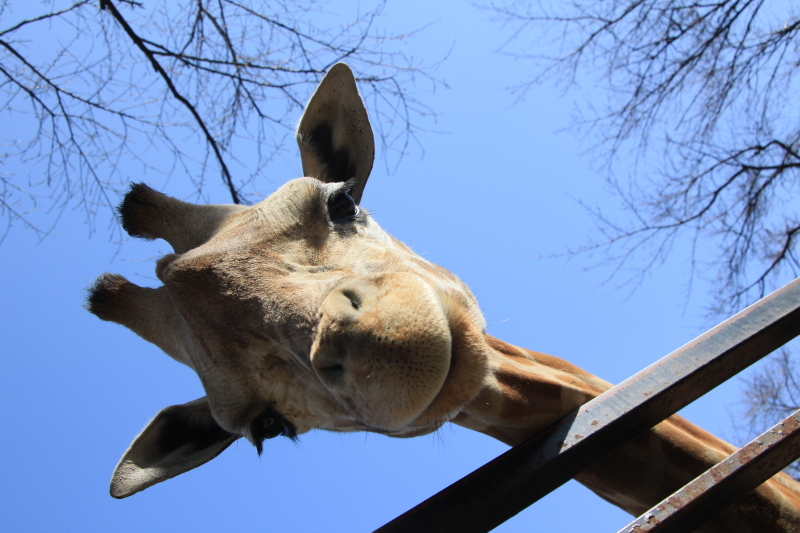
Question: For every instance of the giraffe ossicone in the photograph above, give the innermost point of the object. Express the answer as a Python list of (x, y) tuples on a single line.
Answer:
[(301, 313)]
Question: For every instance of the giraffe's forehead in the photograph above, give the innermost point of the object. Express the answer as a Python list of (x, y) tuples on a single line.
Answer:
[(296, 230), (288, 248)]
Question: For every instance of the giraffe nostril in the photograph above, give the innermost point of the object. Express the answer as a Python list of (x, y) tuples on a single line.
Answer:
[(353, 297), (332, 375), (330, 366), (333, 370)]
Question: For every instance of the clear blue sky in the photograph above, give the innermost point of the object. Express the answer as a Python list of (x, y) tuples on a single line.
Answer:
[(496, 189)]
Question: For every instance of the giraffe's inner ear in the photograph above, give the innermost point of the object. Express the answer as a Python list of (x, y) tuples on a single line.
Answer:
[(334, 135), (178, 439)]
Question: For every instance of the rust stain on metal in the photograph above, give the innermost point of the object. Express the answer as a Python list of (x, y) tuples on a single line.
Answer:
[(724, 483)]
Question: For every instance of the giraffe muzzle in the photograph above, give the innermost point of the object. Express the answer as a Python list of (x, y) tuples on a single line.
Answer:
[(383, 347)]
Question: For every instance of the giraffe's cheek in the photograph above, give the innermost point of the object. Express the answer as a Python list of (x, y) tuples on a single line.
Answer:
[(383, 353)]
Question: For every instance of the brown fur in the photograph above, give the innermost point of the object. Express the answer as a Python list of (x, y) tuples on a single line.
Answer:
[(301, 313)]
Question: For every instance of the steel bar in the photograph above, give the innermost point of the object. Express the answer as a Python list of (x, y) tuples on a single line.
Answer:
[(508, 484), (723, 484)]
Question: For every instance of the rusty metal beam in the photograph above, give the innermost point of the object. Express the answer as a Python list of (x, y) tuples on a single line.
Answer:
[(723, 484), (508, 484)]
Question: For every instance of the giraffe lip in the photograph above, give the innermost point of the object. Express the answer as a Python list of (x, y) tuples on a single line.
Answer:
[(413, 431), (410, 428), (467, 369), (430, 424)]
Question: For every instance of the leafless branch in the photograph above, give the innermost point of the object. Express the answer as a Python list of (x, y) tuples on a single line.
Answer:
[(699, 89), (771, 394), (113, 88)]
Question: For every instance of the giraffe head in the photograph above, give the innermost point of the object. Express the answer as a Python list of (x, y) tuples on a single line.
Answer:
[(297, 313)]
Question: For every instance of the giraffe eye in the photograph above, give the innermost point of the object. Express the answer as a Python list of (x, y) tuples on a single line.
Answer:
[(269, 425), (271, 428), (342, 208)]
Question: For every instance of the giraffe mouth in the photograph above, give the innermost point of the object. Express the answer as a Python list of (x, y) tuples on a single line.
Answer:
[(466, 372), (429, 419), (383, 348)]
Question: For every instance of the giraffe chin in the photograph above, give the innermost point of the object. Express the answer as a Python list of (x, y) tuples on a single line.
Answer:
[(383, 348), (407, 433)]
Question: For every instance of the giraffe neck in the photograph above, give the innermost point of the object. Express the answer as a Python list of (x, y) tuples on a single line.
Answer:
[(526, 392)]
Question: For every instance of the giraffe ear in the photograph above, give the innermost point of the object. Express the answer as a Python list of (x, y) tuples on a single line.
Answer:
[(178, 439), (334, 135)]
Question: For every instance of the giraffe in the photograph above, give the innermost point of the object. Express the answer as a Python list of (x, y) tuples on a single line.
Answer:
[(301, 313)]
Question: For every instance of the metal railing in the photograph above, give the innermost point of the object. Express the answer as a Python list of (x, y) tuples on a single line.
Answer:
[(516, 479)]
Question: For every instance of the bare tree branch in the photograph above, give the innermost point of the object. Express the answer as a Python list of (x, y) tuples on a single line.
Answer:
[(702, 93), (773, 390), (106, 91), (212, 142)]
